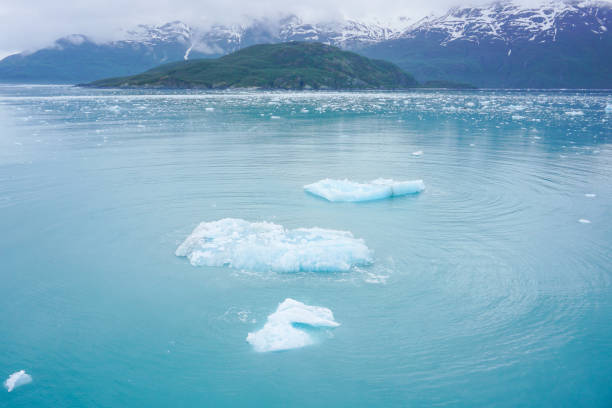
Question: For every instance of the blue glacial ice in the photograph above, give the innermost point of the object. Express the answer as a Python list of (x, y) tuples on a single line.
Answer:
[(17, 379), (280, 331), (346, 190), (265, 246)]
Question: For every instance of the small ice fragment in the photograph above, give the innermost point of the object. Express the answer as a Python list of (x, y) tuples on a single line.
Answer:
[(517, 117), (574, 113), (590, 195), (209, 109), (584, 221), (17, 379), (346, 190), (417, 153), (274, 117), (374, 278), (608, 108), (280, 331)]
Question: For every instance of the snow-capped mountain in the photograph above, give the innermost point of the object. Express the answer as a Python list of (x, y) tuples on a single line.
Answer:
[(175, 31), (472, 44), (511, 22), (555, 45), (502, 21), (351, 34)]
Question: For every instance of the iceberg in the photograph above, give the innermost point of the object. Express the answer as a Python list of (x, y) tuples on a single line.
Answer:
[(265, 246), (608, 108), (287, 328), (346, 190), (17, 379)]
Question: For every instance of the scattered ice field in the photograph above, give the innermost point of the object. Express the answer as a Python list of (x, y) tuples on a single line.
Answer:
[(498, 273)]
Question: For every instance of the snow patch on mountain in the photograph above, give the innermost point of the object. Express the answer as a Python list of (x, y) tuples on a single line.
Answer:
[(500, 21), (511, 21)]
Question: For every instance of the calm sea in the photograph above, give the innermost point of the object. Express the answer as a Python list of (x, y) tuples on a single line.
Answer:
[(493, 287)]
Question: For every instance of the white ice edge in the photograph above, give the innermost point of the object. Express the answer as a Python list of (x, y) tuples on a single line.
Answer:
[(347, 190)]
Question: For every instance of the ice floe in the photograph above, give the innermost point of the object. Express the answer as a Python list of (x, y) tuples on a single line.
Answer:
[(346, 190), (584, 221), (574, 113), (608, 108), (17, 379), (290, 326), (417, 153), (265, 246), (114, 109)]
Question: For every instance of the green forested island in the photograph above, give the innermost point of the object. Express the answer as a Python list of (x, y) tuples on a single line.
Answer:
[(294, 65)]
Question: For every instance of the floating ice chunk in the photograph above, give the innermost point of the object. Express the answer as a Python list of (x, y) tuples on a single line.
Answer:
[(17, 379), (574, 113), (280, 331), (584, 221), (590, 195), (608, 108), (346, 190), (274, 117), (265, 246), (417, 153), (517, 117), (209, 109), (375, 278)]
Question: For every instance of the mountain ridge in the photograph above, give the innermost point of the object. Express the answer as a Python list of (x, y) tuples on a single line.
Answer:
[(470, 43)]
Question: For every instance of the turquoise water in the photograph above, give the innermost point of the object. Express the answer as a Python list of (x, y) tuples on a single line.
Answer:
[(484, 290)]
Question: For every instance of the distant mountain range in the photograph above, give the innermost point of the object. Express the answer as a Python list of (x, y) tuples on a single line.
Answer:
[(556, 44), (505, 45)]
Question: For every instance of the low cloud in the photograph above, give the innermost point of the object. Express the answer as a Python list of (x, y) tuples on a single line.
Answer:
[(30, 25)]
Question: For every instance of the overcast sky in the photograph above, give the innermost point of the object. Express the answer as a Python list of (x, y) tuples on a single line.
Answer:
[(32, 24)]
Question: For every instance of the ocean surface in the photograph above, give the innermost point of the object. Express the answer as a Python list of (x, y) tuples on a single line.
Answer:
[(492, 287)]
